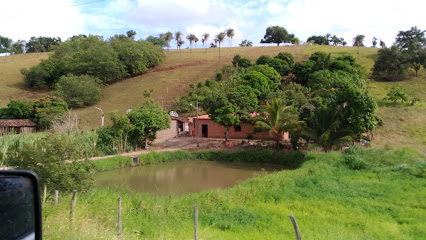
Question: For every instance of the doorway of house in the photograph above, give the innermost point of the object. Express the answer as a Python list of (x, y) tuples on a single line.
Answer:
[(204, 130)]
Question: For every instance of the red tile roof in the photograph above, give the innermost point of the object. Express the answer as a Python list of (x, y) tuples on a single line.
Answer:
[(16, 123)]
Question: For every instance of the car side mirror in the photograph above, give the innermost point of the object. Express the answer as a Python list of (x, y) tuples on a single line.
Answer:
[(20, 208)]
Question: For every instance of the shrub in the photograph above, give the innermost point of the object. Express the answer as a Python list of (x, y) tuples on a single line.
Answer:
[(78, 91), (280, 66), (263, 60), (389, 65), (286, 57)]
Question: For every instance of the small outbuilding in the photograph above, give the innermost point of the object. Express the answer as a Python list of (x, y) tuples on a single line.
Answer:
[(17, 126)]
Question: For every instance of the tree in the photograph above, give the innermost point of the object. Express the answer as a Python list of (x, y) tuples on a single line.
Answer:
[(278, 118), (18, 47), (389, 65), (178, 36), (358, 41), (5, 44), (412, 43), (295, 41), (230, 34), (246, 43), (374, 41), (147, 120), (42, 44), (167, 37), (191, 38), (382, 44), (131, 34), (204, 38), (78, 91), (326, 130), (195, 41), (220, 37), (286, 56), (276, 34), (158, 41), (335, 40), (320, 40)]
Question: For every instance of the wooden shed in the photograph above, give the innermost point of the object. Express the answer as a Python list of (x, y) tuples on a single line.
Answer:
[(16, 126)]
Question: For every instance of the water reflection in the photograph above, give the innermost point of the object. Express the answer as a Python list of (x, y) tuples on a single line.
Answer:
[(181, 177)]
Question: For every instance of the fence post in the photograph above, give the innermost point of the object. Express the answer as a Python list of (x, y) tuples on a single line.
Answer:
[(44, 194), (56, 197), (296, 228), (73, 200), (119, 225), (195, 222)]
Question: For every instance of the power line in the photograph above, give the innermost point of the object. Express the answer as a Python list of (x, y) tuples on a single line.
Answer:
[(85, 3)]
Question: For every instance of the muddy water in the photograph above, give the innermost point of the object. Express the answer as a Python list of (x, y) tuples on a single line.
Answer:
[(181, 177)]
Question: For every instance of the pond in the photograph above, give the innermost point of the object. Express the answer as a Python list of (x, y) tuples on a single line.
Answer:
[(182, 177)]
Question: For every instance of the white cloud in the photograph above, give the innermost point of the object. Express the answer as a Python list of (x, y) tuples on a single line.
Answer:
[(27, 18), (275, 8)]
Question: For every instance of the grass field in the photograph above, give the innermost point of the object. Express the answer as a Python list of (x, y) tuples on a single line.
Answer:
[(364, 194), (404, 125)]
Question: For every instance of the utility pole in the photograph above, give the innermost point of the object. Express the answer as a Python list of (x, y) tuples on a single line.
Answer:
[(102, 116)]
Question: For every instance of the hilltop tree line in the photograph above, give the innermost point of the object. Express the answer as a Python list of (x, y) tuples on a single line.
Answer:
[(323, 100), (408, 52)]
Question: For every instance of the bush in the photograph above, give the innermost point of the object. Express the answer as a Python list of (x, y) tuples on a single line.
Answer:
[(389, 65), (239, 61), (263, 60), (78, 91), (280, 66), (286, 57)]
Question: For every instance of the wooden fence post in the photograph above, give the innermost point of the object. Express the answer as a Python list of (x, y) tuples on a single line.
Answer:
[(44, 194), (56, 197), (195, 222), (296, 228), (73, 200), (119, 225)]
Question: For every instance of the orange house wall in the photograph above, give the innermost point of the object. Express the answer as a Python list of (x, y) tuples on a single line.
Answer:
[(215, 130)]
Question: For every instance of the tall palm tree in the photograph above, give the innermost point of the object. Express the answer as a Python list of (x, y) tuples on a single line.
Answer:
[(204, 38), (220, 37), (178, 36), (325, 130), (195, 41), (358, 42), (374, 41), (180, 43), (168, 36), (191, 38), (230, 34), (382, 44), (279, 119)]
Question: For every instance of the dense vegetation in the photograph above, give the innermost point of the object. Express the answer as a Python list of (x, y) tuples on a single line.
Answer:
[(309, 89), (363, 194)]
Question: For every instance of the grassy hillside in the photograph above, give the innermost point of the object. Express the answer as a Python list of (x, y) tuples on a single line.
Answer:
[(404, 125)]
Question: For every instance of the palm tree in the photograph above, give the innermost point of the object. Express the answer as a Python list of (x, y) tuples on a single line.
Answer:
[(230, 34), (168, 36), (180, 43), (325, 130), (358, 42), (195, 41), (204, 38), (191, 38), (178, 36), (382, 44), (279, 119), (374, 41), (220, 37)]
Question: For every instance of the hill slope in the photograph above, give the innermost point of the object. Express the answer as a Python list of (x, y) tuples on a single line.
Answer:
[(404, 125)]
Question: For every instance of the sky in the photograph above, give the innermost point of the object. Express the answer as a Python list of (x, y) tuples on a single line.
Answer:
[(22, 19)]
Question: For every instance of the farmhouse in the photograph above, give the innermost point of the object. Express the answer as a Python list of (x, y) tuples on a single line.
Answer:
[(178, 126), (208, 128), (17, 126)]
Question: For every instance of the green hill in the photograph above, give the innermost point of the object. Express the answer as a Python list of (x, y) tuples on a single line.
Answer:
[(405, 126)]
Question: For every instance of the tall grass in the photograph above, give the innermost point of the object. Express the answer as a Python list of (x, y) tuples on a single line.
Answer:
[(329, 198), (14, 143)]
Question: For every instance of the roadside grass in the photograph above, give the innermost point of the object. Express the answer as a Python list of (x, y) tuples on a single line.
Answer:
[(328, 197)]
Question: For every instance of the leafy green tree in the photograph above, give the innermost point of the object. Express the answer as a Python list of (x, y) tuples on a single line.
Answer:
[(302, 71), (230, 33), (276, 34), (246, 43), (295, 41), (412, 43), (258, 82), (320, 40), (122, 125), (16, 110), (241, 62), (78, 91), (278, 118), (263, 60), (374, 41), (18, 47), (272, 74), (5, 44), (131, 34), (42, 44), (389, 65), (335, 40), (280, 66), (286, 56), (382, 44), (358, 41), (245, 98), (158, 41), (147, 120), (326, 130), (321, 59)]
